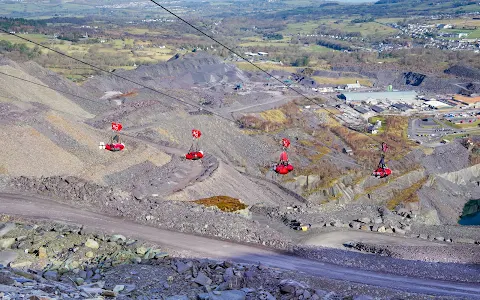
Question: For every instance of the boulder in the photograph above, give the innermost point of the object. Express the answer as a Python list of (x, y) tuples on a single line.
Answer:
[(363, 297), (398, 230), (177, 297), (464, 241), (264, 295), (42, 252), (6, 243), (7, 257), (202, 279), (141, 250), (365, 220), (288, 286), (228, 274), (365, 227), (118, 238), (50, 275), (378, 220), (382, 229), (6, 228), (355, 225), (92, 244), (181, 266), (224, 295)]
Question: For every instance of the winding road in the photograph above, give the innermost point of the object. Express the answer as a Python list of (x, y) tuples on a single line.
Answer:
[(35, 207)]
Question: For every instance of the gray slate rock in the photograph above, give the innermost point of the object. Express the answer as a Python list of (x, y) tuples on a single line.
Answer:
[(118, 237), (50, 275), (182, 267), (7, 257), (6, 228), (177, 297), (225, 295), (264, 295), (6, 243), (365, 220), (202, 279), (288, 286), (228, 274), (362, 297)]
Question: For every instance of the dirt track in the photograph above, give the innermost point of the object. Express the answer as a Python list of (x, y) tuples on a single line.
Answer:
[(35, 207)]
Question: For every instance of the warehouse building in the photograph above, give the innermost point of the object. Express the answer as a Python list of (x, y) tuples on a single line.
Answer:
[(437, 104), (396, 96), (472, 102)]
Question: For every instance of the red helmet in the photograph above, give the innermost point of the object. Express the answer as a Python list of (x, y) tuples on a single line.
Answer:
[(116, 126), (196, 133)]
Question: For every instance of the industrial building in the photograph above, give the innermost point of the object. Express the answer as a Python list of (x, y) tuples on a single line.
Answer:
[(377, 109), (396, 96), (472, 102), (437, 104), (402, 106)]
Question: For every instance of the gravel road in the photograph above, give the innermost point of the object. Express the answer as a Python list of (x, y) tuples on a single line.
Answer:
[(35, 207)]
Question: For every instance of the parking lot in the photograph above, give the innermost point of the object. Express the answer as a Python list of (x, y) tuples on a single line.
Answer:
[(430, 130)]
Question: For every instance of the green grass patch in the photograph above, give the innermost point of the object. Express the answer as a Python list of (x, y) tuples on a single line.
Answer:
[(472, 34), (341, 80), (295, 28), (39, 38), (468, 125), (318, 49), (373, 120), (268, 66), (365, 29), (279, 43), (224, 203)]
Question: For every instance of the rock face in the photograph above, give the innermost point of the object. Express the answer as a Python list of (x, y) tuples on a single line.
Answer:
[(118, 203)]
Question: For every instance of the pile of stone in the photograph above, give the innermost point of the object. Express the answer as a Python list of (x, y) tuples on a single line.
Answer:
[(57, 261)]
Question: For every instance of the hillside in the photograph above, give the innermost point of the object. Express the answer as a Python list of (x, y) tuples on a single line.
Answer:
[(51, 150)]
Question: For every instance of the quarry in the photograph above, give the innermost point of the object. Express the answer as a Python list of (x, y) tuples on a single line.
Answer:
[(329, 210)]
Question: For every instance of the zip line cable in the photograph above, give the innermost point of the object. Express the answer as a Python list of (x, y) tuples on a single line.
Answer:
[(103, 104), (119, 76), (248, 61), (149, 88), (57, 90), (234, 52)]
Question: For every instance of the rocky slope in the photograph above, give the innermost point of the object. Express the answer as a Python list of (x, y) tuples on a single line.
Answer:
[(44, 260)]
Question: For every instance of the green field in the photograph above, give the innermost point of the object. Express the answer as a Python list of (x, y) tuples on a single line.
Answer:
[(317, 49), (341, 80), (39, 38), (294, 28), (368, 28), (472, 34)]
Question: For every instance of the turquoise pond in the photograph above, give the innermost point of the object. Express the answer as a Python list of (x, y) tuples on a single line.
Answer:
[(471, 213)]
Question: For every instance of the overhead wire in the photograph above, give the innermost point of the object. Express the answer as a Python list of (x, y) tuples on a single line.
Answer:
[(237, 54), (245, 59), (113, 74), (144, 86), (57, 90)]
